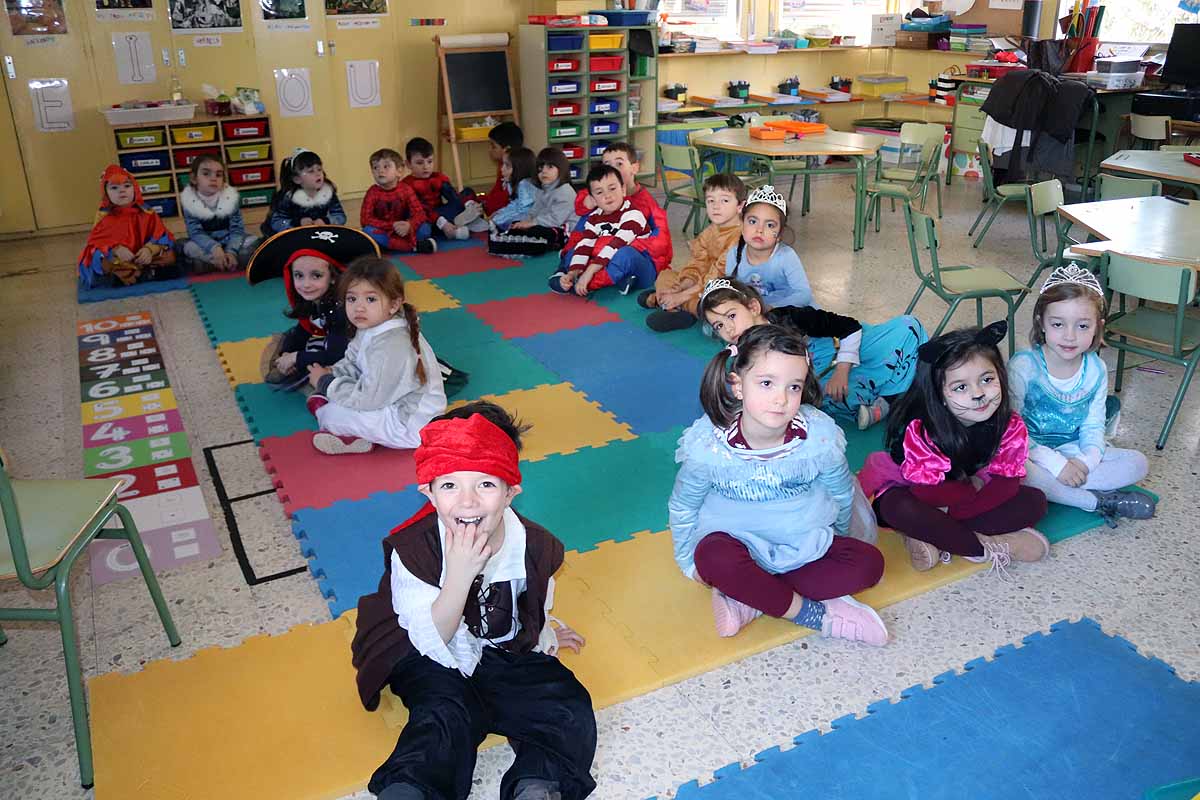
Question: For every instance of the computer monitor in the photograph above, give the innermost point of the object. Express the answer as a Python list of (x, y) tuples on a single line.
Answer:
[(1183, 56)]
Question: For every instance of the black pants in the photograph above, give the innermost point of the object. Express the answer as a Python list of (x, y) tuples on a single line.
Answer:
[(532, 699)]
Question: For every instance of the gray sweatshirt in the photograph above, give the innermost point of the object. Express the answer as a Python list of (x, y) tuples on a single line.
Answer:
[(555, 208)]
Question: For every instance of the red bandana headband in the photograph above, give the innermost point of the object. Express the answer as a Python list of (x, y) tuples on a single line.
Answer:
[(466, 445)]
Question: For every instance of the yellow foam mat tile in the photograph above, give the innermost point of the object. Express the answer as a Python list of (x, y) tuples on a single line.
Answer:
[(639, 589), (563, 420), (427, 297), (240, 360)]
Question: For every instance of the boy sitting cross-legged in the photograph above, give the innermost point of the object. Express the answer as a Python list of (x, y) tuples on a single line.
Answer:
[(459, 628)]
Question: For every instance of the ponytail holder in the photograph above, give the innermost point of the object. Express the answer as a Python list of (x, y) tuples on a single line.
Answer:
[(298, 151), (933, 350), (732, 350)]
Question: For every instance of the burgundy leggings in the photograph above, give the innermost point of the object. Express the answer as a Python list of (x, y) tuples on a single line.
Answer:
[(897, 508), (848, 566)]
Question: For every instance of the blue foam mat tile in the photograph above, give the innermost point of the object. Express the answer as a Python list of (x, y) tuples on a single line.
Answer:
[(234, 310), (101, 293), (342, 542), (1072, 714), (271, 413)]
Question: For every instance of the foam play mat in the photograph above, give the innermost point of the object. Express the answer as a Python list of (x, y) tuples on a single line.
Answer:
[(607, 400)]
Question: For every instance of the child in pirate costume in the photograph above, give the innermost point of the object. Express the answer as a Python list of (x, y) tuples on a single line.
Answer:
[(459, 628)]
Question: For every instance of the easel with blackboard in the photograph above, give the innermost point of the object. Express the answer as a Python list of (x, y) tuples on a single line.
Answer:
[(476, 82)]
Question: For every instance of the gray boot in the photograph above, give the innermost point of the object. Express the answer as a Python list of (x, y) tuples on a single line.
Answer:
[(1119, 503)]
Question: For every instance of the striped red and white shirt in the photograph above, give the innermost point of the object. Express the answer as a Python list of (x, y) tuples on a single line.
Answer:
[(603, 234)]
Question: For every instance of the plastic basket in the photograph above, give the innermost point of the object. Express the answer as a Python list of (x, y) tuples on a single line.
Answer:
[(194, 134), (149, 161), (142, 137), (606, 41), (557, 42)]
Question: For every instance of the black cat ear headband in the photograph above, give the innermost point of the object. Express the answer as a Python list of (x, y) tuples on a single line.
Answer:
[(933, 350)]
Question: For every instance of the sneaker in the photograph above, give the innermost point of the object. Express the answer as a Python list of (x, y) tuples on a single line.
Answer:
[(470, 213), (1121, 503), (555, 283), (266, 361), (427, 246), (479, 226), (731, 615), (333, 445), (461, 233), (1002, 549), (666, 321), (648, 299), (923, 555), (846, 618), (627, 283), (314, 403), (872, 414)]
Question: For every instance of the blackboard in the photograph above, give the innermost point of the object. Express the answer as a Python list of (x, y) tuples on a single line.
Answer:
[(478, 81)]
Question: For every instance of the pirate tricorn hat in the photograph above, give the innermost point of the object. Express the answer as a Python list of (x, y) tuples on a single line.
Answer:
[(339, 244)]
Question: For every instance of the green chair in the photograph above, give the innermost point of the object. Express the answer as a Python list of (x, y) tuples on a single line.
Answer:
[(916, 189), (1113, 187), (690, 192), (1041, 204), (924, 134), (994, 196), (47, 525), (1174, 336), (956, 284)]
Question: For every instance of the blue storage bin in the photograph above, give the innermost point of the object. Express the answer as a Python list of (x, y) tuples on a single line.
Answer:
[(575, 172), (626, 17), (557, 42), (604, 105), (597, 149), (149, 161), (165, 206), (564, 86), (605, 127)]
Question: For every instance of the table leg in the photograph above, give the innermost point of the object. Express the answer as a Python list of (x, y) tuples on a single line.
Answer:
[(860, 188)]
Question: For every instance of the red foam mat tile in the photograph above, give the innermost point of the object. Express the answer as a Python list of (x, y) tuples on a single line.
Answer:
[(306, 478), (541, 313), (460, 261)]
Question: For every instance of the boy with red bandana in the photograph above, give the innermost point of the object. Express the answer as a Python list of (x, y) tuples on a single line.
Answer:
[(459, 628)]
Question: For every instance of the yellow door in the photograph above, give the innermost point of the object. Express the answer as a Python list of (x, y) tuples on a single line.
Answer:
[(63, 154), (16, 207), (132, 57), (306, 116)]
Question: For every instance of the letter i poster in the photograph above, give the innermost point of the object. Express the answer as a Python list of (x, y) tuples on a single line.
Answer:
[(132, 431)]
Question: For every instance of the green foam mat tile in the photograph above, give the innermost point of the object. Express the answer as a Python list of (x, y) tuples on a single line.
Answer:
[(271, 413), (500, 284), (233, 310), (497, 368), (454, 329)]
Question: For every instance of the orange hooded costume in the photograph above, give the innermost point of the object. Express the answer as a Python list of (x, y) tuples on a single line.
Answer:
[(133, 227)]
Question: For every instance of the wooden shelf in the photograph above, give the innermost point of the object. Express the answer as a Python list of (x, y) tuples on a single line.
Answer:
[(838, 49)]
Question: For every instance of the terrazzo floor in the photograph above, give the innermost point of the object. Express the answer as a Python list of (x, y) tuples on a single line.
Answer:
[(1137, 581)]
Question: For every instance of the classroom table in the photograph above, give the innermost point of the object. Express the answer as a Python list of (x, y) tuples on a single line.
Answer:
[(855, 146), (1167, 166), (1151, 228)]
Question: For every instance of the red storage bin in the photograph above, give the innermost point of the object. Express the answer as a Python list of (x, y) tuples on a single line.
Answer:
[(606, 63), (564, 109), (605, 85), (572, 151), (244, 128), (185, 157), (244, 176), (563, 64)]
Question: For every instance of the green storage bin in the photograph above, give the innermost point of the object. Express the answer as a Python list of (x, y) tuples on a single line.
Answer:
[(240, 153), (141, 137), (155, 184), (252, 198), (565, 131), (183, 178)]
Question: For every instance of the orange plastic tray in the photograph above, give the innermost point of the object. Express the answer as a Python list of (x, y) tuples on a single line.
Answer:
[(768, 133), (798, 127)]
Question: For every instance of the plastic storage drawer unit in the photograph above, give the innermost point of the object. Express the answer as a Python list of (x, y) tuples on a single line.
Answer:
[(564, 86), (573, 152), (165, 206), (236, 153), (605, 127), (563, 64), (557, 42), (564, 109), (242, 176), (150, 161), (155, 184), (244, 128), (185, 157), (250, 198), (606, 63), (143, 137), (194, 134), (605, 85), (604, 105)]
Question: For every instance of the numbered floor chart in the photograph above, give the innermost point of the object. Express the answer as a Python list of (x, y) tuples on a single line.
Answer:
[(132, 431)]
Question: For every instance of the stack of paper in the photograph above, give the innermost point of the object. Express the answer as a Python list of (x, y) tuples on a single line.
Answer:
[(826, 95), (666, 104), (777, 99), (718, 101), (756, 48)]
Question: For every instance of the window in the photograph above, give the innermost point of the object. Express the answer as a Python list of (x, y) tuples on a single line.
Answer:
[(1138, 21), (721, 18), (842, 17)]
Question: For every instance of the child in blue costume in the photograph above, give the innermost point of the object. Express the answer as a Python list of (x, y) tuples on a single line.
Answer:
[(858, 366), (306, 196), (764, 497), (761, 260), (1060, 387)]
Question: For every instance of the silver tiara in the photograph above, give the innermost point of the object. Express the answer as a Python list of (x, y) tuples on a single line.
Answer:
[(713, 285), (1072, 273), (767, 194)]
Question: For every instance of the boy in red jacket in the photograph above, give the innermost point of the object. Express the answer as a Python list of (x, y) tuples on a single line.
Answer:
[(443, 205), (647, 256), (391, 212)]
